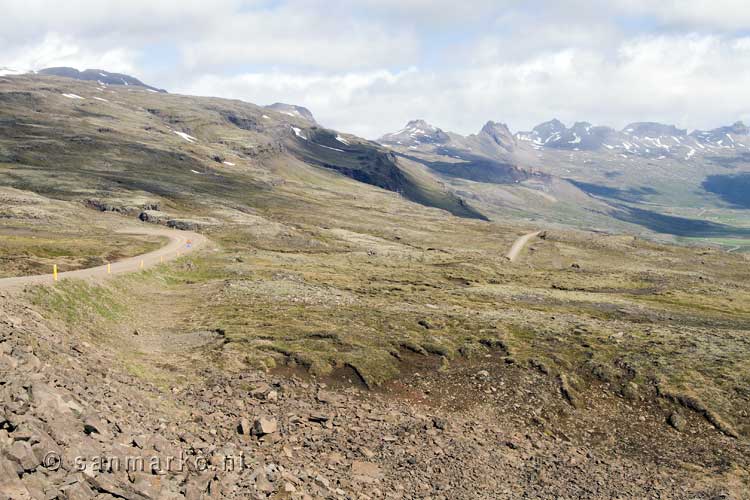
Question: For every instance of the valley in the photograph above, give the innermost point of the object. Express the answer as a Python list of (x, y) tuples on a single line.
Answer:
[(425, 316)]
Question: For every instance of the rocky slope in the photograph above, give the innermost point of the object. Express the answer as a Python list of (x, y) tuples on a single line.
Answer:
[(74, 424)]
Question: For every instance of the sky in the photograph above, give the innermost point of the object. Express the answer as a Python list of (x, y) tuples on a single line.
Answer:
[(369, 66)]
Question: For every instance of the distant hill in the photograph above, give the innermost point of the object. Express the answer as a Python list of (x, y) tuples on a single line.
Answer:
[(98, 75), (293, 110)]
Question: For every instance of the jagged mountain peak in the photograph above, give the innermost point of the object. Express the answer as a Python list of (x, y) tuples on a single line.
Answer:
[(415, 133), (500, 134), (420, 125), (550, 127)]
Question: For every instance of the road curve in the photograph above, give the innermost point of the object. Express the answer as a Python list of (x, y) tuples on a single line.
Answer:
[(519, 244), (177, 246)]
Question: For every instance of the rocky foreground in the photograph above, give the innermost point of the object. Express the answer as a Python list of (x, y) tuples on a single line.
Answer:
[(74, 425)]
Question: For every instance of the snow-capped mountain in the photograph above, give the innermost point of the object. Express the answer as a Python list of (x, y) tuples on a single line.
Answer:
[(644, 139), (293, 110), (640, 139), (554, 134), (416, 133), (97, 75)]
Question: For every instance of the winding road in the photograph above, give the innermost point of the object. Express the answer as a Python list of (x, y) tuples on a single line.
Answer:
[(519, 244), (180, 243)]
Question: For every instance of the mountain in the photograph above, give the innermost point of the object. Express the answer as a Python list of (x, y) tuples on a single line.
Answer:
[(723, 136), (581, 136), (414, 134), (97, 75), (293, 110), (642, 139), (499, 134), (603, 177), (209, 134)]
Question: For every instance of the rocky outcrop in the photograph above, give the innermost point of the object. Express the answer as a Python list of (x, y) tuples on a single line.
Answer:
[(500, 134)]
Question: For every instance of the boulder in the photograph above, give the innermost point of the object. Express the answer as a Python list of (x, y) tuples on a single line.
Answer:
[(677, 421), (264, 425), (11, 485)]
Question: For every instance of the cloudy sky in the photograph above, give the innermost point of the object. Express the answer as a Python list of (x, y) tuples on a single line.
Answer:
[(368, 66)]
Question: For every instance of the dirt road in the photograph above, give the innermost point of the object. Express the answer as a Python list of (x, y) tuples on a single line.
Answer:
[(181, 243), (518, 245)]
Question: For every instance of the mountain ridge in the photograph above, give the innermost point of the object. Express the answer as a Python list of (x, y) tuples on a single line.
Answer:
[(97, 75)]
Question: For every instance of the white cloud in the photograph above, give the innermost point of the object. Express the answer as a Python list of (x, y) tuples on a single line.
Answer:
[(521, 62), (713, 14), (56, 50), (302, 37)]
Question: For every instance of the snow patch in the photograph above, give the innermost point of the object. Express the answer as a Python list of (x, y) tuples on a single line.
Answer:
[(229, 163), (100, 99), (72, 96), (334, 149), (185, 136), (298, 133), (342, 140)]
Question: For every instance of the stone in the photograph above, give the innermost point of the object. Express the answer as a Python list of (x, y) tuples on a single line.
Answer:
[(321, 481), (23, 456), (319, 418), (328, 397), (677, 421), (78, 491), (366, 472), (260, 391), (244, 427), (265, 425), (11, 485), (440, 423), (262, 483)]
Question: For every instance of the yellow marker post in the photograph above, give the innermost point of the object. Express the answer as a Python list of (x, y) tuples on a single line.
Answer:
[(141, 263), (109, 268), (161, 260), (54, 272)]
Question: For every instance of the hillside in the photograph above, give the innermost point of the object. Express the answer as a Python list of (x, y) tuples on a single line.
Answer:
[(352, 327)]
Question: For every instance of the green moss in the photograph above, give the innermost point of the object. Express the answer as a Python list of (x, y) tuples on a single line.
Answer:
[(78, 302)]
